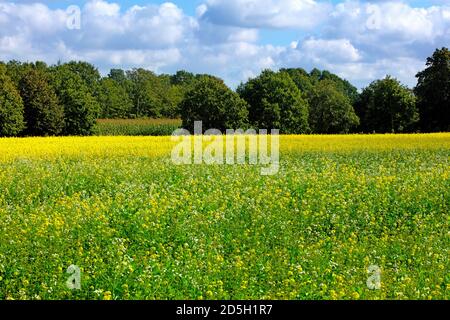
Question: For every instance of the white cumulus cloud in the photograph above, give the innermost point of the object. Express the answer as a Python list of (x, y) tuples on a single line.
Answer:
[(360, 40)]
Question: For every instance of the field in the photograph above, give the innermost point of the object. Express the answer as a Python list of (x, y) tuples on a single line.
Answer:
[(137, 127), (140, 227)]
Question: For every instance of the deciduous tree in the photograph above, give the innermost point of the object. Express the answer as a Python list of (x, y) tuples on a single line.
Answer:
[(11, 106), (387, 106), (275, 102), (433, 92), (44, 115), (330, 110), (216, 105)]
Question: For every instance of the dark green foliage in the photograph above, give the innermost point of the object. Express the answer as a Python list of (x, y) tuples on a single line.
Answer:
[(216, 105), (155, 96), (11, 106), (330, 110), (170, 96), (305, 82), (291, 100), (302, 80), (87, 72), (44, 115), (433, 92), (342, 85), (275, 102), (182, 78), (81, 109), (114, 100), (152, 95), (331, 100), (315, 75), (16, 70), (144, 93), (386, 106), (181, 83), (118, 75)]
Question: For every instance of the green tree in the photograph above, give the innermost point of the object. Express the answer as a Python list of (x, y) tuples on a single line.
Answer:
[(144, 93), (44, 115), (119, 76), (386, 106), (342, 85), (11, 106), (181, 83), (16, 70), (302, 80), (330, 111), (315, 76), (114, 100), (275, 102), (175, 95), (87, 72), (433, 92), (213, 103), (81, 109), (168, 95), (182, 77)]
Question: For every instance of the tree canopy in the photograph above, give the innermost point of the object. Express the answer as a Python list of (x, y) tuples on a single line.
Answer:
[(433, 92), (387, 106), (44, 115), (11, 106), (330, 110), (275, 102), (114, 100), (81, 109), (216, 105), (67, 98)]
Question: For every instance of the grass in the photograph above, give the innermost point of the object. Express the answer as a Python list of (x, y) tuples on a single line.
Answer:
[(137, 127), (140, 227)]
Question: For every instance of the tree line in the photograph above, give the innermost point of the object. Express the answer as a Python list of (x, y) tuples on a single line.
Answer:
[(67, 99)]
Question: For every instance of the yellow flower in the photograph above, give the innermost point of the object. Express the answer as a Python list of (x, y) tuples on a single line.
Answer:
[(333, 295), (107, 295)]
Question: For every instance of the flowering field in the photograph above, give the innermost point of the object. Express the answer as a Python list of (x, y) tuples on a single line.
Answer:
[(139, 227)]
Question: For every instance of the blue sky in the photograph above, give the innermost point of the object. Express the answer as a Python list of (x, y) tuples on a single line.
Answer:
[(234, 39)]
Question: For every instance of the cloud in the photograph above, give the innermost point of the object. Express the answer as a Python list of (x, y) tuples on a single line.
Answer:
[(392, 37), (337, 50), (387, 22), (148, 36), (265, 13), (147, 27), (360, 40)]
